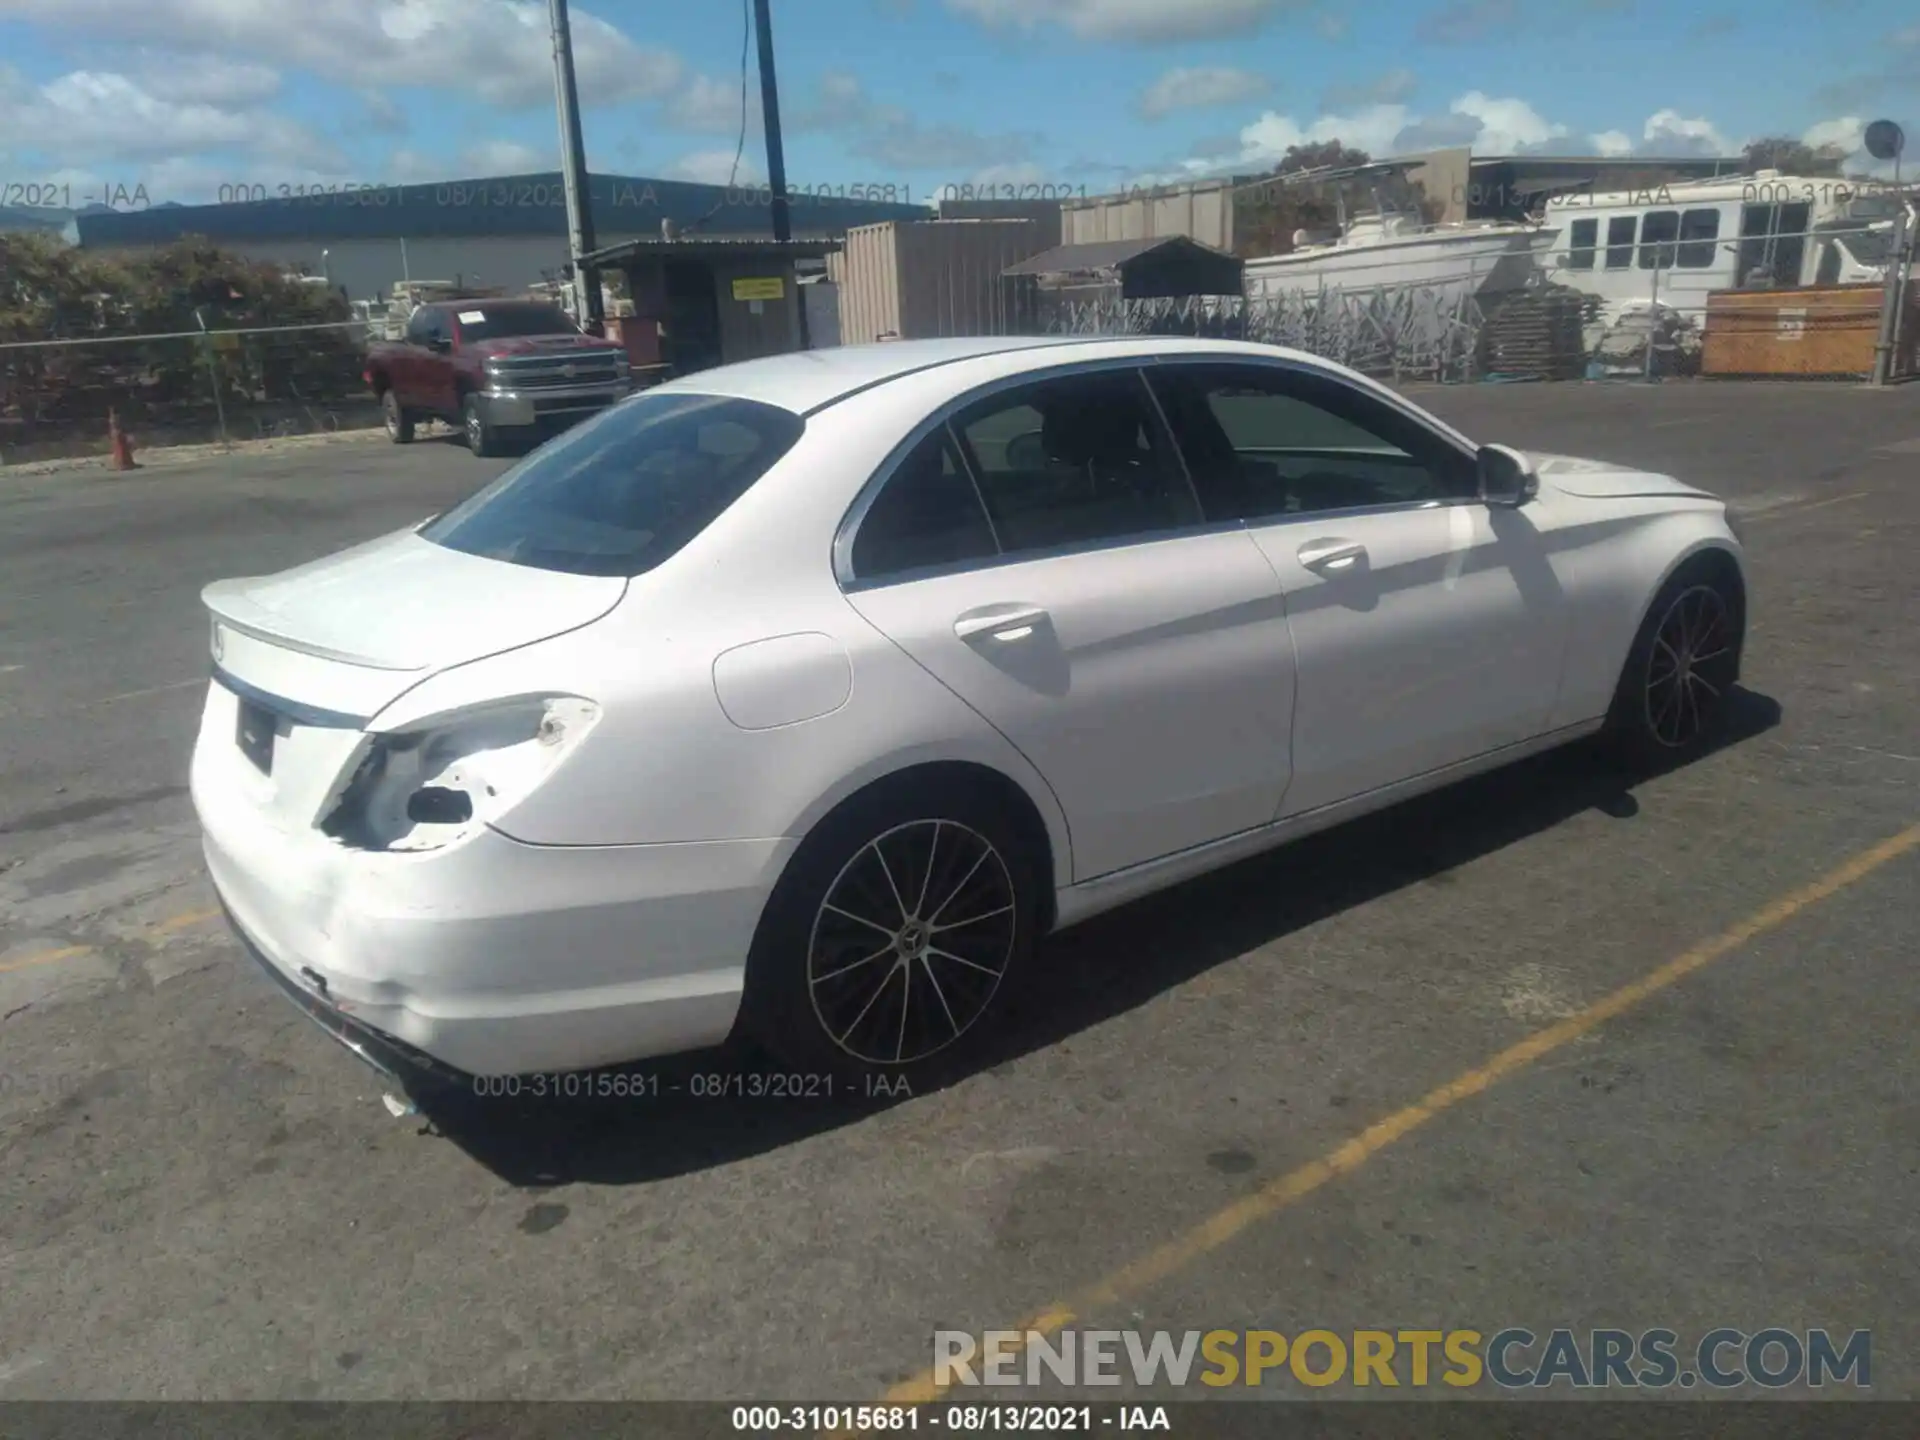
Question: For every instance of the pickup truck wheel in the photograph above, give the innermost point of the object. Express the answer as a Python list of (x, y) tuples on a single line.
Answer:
[(399, 423), (482, 439)]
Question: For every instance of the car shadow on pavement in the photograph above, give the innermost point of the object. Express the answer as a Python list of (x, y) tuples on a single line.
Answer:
[(659, 1119)]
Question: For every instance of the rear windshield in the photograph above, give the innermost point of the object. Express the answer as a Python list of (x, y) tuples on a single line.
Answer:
[(623, 492), (490, 322)]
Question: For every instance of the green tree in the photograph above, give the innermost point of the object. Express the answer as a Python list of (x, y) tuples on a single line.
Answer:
[(1268, 214), (1793, 157)]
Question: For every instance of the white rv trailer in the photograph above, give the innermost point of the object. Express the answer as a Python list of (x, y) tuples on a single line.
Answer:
[(1686, 240)]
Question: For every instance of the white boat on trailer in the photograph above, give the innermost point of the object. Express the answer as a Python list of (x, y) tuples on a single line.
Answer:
[(1386, 244)]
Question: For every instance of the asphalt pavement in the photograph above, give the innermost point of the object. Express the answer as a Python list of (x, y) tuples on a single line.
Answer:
[(1286, 1096)]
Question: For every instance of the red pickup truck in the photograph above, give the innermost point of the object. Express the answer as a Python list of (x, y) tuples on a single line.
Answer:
[(502, 370)]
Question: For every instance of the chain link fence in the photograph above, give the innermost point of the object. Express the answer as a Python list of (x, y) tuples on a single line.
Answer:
[(58, 397)]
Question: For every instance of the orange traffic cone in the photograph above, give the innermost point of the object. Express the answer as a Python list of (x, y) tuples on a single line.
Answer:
[(122, 443)]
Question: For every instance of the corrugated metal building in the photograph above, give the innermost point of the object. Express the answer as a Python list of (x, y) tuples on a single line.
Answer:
[(933, 278), (1201, 211), (506, 231)]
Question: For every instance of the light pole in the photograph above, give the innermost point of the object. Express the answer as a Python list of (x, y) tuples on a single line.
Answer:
[(776, 157), (573, 169)]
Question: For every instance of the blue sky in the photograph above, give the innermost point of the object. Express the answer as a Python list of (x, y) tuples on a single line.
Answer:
[(184, 97)]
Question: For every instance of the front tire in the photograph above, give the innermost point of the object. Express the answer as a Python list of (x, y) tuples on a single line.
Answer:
[(482, 439), (399, 423), (888, 946), (1672, 696)]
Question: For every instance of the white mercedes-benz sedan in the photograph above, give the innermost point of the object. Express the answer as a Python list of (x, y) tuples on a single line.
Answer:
[(799, 698)]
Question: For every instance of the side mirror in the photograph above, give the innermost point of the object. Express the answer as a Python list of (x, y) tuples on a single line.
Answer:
[(1506, 476), (440, 345)]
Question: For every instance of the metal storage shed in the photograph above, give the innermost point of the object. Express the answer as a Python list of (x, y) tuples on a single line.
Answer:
[(1148, 269)]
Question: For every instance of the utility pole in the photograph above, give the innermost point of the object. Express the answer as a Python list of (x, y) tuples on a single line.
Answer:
[(776, 158), (573, 168)]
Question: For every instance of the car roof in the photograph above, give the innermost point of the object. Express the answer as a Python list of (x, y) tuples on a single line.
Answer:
[(808, 380)]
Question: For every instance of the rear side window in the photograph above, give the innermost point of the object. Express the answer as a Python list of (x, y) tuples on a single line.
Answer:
[(928, 515), (623, 492)]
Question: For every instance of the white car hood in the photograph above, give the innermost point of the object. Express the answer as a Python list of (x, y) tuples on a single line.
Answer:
[(352, 631), (1605, 480)]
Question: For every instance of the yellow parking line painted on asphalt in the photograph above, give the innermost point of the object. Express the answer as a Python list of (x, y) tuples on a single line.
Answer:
[(1278, 1194), (183, 921), (46, 957)]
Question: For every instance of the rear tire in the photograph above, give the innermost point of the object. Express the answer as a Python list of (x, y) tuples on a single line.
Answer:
[(399, 422), (1670, 704), (888, 947)]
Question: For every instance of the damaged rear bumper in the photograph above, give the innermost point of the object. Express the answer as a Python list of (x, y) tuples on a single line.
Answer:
[(393, 1059)]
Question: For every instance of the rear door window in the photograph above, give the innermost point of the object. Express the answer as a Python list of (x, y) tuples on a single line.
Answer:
[(621, 493), (1075, 461)]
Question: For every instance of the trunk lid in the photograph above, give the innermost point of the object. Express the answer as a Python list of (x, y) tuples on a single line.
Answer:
[(306, 658), (347, 635)]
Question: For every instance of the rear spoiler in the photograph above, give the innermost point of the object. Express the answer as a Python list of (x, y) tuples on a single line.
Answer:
[(229, 603)]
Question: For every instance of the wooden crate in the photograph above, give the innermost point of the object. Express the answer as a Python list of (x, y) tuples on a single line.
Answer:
[(1812, 331)]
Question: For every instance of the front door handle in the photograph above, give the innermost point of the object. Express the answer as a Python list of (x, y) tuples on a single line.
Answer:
[(1331, 555), (1007, 623)]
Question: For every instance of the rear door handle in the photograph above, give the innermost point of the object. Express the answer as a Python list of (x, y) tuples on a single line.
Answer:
[(1006, 623), (1334, 555)]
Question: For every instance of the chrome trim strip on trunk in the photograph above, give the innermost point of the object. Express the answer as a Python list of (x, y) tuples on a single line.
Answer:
[(293, 710)]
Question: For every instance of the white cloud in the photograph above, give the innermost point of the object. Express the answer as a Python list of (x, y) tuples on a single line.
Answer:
[(1331, 27), (1507, 126), (496, 50), (1491, 125), (1016, 175), (712, 107), (1668, 132), (1849, 133), (1371, 128), (1199, 87), (1137, 21), (1392, 88), (205, 80), (97, 116), (714, 167), (506, 157), (888, 136)]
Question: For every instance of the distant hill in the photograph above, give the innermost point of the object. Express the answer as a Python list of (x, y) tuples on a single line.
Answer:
[(46, 217), (33, 218)]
